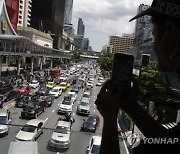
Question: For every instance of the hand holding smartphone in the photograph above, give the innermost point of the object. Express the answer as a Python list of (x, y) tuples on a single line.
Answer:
[(122, 72)]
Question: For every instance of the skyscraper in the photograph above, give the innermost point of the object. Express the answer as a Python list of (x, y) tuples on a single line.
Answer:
[(48, 15), (68, 12), (24, 13), (81, 27)]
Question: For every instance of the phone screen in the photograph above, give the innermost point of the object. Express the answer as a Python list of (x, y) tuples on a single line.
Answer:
[(122, 72)]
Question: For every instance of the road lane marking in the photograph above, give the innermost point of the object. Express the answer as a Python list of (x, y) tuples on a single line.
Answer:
[(9, 105), (53, 110), (94, 110), (125, 144), (46, 119)]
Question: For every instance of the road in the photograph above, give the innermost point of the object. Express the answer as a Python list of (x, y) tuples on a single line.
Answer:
[(79, 140)]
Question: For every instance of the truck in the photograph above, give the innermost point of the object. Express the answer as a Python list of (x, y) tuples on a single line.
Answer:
[(23, 147)]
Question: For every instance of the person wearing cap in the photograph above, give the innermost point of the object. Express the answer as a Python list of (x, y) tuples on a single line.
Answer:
[(166, 31)]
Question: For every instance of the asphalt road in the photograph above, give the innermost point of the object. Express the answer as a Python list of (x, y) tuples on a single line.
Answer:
[(79, 140)]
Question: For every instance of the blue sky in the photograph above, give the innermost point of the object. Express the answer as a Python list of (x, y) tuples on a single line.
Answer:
[(103, 18)]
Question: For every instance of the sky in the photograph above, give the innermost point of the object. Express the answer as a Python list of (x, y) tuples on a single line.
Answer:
[(103, 18)]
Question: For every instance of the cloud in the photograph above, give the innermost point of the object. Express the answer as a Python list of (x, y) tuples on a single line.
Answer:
[(106, 17)]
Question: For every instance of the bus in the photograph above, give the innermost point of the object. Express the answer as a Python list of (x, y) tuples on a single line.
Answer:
[(54, 72)]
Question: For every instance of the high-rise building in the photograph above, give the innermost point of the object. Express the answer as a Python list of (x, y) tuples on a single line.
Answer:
[(143, 25), (81, 27), (120, 44), (85, 44), (24, 13), (13, 11), (68, 12), (48, 16)]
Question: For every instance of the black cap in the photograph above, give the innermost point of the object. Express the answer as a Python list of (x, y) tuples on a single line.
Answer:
[(170, 8)]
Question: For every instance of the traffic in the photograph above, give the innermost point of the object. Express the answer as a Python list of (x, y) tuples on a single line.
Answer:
[(55, 111)]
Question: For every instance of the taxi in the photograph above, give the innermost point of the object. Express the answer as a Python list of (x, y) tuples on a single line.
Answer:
[(50, 84), (64, 85)]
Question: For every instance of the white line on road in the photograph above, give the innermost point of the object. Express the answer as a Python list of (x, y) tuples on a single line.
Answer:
[(53, 110), (46, 119), (94, 110)]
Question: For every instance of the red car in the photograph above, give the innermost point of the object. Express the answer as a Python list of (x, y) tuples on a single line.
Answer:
[(23, 89)]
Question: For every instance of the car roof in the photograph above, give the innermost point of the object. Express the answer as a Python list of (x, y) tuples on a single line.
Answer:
[(87, 92), (97, 140), (85, 99), (35, 122), (56, 87), (63, 123), (3, 112)]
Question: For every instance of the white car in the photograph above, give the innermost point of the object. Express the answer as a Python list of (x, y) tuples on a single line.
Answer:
[(34, 84), (90, 84), (66, 105), (98, 83), (94, 145), (73, 96), (61, 135), (30, 132), (87, 94), (55, 91)]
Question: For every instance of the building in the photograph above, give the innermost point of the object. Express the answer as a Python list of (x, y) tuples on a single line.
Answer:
[(85, 44), (120, 44), (24, 13), (78, 41), (13, 11), (48, 16), (81, 27), (68, 12)]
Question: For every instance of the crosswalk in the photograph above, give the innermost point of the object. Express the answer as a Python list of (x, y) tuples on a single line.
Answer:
[(169, 125)]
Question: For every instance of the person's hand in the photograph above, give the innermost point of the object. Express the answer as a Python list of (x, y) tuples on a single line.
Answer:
[(109, 105)]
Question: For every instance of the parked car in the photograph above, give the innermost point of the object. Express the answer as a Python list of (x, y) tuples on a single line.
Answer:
[(33, 109), (4, 119), (56, 91), (34, 84), (22, 102), (66, 105), (61, 135), (23, 89), (31, 130), (83, 107), (91, 123), (94, 145)]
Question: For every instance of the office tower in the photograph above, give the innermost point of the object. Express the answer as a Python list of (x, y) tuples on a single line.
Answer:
[(68, 12), (120, 44), (85, 44), (81, 27), (48, 16)]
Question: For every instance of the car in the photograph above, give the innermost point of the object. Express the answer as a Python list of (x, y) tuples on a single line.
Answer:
[(50, 84), (91, 123), (64, 85), (48, 100), (31, 130), (43, 90), (99, 83), (73, 96), (56, 91), (33, 109), (23, 89), (89, 84), (66, 105), (87, 94), (41, 79), (61, 135), (4, 119), (94, 145), (34, 84), (83, 107), (22, 102)]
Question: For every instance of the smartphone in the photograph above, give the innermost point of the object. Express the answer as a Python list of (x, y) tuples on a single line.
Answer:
[(122, 72)]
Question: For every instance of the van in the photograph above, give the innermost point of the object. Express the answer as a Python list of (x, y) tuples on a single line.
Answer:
[(23, 147), (4, 119)]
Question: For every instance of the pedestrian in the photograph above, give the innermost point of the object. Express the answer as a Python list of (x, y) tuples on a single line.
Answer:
[(166, 31)]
